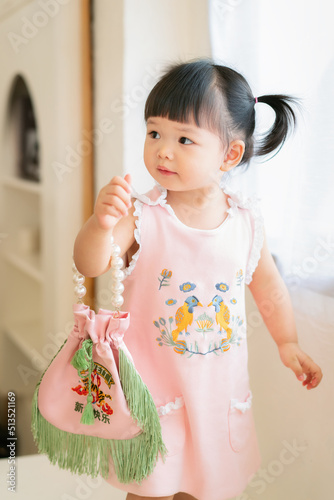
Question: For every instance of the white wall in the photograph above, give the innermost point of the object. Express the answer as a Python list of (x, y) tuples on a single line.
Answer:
[(156, 35), (133, 43), (287, 416)]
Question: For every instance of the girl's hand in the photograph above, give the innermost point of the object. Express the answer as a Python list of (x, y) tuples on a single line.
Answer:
[(113, 202), (301, 364)]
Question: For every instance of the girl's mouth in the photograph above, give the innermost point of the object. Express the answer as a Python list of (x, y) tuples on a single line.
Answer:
[(165, 171)]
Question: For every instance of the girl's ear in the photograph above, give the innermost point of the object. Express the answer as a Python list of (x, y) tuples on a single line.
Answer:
[(233, 156)]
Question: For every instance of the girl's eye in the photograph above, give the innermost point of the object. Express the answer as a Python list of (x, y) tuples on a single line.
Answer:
[(154, 134), (185, 140)]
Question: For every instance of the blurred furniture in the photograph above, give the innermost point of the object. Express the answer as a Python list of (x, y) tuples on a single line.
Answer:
[(45, 183)]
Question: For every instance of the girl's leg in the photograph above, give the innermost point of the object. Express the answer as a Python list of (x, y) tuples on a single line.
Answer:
[(131, 496)]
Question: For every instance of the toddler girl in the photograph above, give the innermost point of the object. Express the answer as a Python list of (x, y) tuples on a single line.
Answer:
[(190, 247)]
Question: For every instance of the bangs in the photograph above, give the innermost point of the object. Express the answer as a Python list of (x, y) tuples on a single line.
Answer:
[(187, 92)]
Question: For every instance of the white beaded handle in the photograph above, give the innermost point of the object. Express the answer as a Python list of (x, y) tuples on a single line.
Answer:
[(117, 274), (78, 280)]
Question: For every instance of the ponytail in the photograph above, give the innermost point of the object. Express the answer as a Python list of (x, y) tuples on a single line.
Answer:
[(220, 99), (285, 121)]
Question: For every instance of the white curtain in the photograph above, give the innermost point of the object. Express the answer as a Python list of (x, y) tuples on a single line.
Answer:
[(288, 47)]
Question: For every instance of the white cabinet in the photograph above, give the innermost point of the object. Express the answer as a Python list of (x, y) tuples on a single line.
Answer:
[(23, 301), (44, 60)]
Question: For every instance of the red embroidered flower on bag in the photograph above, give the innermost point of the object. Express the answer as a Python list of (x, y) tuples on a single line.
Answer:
[(107, 409)]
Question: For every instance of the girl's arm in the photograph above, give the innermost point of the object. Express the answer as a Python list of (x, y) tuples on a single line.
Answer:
[(273, 301), (113, 216)]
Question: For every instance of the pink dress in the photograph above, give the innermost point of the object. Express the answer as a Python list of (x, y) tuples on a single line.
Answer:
[(185, 290)]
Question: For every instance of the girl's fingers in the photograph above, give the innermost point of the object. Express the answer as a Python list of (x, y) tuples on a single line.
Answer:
[(120, 189), (111, 200), (119, 200), (314, 379), (305, 369), (124, 183), (114, 209), (313, 374), (128, 179), (114, 201)]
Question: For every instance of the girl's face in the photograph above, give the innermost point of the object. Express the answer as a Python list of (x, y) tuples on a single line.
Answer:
[(182, 156)]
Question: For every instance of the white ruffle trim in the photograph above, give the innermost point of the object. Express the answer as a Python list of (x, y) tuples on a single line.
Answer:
[(256, 248), (240, 405), (161, 198), (176, 405), (138, 215), (140, 200), (237, 199)]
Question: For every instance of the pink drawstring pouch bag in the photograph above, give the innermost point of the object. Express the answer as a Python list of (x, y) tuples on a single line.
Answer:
[(92, 413)]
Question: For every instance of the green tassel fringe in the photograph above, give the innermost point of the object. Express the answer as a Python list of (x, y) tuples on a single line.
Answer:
[(88, 412), (133, 459), (83, 361), (142, 407)]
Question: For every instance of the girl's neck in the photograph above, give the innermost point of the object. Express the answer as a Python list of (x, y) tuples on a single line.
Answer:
[(201, 208)]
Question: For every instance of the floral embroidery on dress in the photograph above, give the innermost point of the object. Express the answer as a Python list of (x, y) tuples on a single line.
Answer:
[(170, 302), (238, 330), (222, 287), (162, 322), (165, 277), (218, 332), (204, 323), (240, 277), (187, 287), (192, 347)]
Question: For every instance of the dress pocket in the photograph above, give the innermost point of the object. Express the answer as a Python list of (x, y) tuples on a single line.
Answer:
[(172, 421), (240, 422)]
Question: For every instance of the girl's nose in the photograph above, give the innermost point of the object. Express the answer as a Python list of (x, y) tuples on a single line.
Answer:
[(165, 151)]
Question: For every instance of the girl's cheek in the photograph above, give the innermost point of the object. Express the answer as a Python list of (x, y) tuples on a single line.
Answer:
[(146, 154)]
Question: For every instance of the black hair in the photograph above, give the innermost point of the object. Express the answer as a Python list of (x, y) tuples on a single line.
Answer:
[(220, 99)]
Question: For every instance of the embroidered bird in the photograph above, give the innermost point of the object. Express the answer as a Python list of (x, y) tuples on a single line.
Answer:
[(184, 316), (222, 314)]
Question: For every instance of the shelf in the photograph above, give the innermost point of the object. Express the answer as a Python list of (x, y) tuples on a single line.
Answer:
[(27, 337), (22, 185), (29, 264)]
